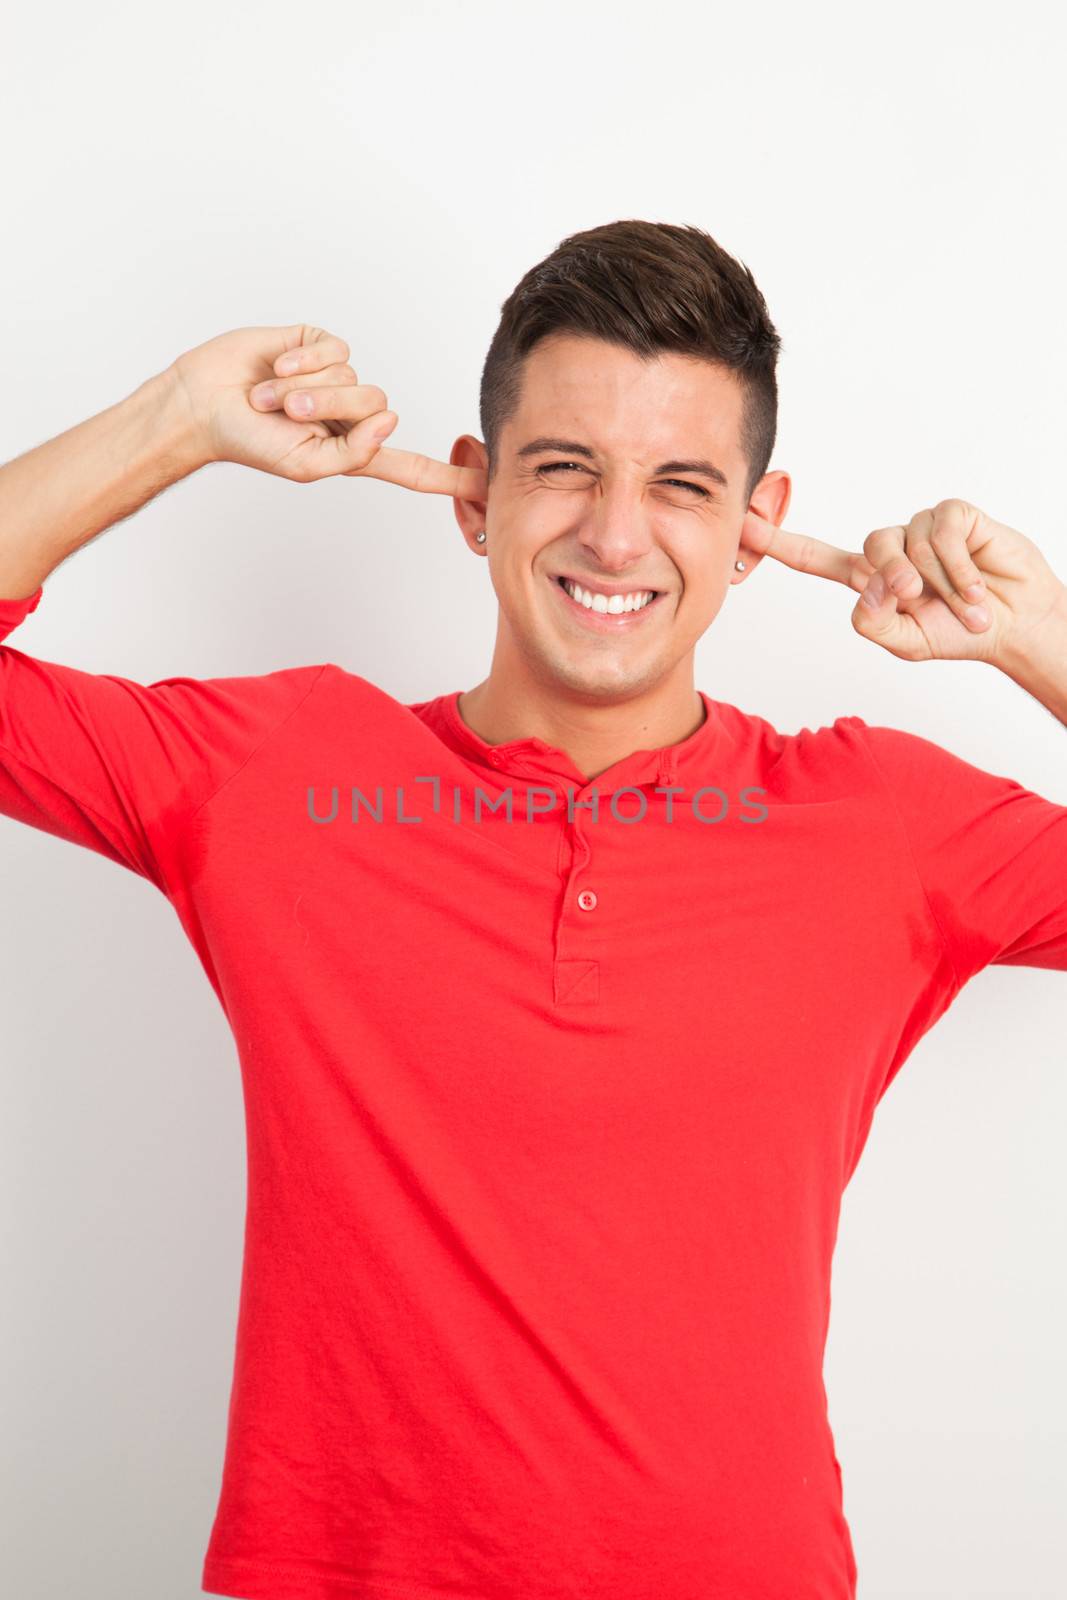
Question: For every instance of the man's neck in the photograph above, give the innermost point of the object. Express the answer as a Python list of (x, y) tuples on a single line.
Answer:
[(595, 734)]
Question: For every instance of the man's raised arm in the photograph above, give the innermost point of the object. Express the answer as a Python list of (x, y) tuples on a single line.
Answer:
[(234, 398), (58, 496), (120, 766)]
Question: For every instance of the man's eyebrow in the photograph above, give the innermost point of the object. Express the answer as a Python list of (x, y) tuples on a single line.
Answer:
[(703, 469)]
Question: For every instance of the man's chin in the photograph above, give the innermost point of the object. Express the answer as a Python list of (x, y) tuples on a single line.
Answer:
[(594, 678)]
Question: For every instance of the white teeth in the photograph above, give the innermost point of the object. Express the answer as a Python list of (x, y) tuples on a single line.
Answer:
[(610, 603)]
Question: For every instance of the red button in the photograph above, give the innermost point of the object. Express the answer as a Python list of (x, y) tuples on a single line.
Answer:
[(587, 900)]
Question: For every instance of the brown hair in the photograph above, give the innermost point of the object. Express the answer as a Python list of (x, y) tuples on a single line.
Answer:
[(651, 287)]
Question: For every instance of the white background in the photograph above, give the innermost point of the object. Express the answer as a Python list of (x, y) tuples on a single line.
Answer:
[(894, 178)]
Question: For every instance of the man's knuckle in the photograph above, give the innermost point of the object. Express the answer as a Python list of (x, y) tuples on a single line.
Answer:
[(806, 554)]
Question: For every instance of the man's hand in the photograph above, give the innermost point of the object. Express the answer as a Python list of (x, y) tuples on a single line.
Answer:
[(286, 401), (951, 585)]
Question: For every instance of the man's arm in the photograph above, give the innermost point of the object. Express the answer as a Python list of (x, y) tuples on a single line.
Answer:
[(120, 766), (231, 399), (55, 498)]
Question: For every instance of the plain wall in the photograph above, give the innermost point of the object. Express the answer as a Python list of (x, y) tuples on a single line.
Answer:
[(891, 177)]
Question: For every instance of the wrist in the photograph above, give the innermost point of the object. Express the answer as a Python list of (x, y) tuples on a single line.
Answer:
[(181, 436), (1042, 642), (1037, 661)]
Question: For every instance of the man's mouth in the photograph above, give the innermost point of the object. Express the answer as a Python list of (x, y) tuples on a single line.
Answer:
[(609, 599)]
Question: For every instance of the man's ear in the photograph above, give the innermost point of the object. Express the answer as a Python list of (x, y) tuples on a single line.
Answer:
[(769, 500), (470, 514)]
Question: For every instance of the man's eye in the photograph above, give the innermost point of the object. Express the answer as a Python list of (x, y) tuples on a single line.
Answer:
[(682, 484), (563, 466)]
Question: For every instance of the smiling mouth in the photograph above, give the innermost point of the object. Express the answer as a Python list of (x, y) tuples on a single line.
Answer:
[(604, 603)]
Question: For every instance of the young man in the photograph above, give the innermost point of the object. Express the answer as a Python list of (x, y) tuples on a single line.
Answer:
[(563, 1005)]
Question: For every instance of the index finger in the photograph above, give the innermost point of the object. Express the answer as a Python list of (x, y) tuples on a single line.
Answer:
[(412, 471), (802, 552)]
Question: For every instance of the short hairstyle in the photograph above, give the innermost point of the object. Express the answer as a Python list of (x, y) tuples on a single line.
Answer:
[(650, 287)]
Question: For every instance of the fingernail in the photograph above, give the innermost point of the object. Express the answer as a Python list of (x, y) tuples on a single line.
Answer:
[(874, 593), (978, 615), (974, 591), (302, 403), (286, 365), (383, 432), (265, 396)]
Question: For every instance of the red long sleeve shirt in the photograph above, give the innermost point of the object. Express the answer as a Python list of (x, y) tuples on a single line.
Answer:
[(548, 1115)]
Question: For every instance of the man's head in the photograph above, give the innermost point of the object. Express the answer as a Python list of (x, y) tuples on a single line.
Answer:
[(629, 408)]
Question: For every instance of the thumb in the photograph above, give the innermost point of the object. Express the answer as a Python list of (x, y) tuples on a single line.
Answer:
[(884, 624), (351, 451)]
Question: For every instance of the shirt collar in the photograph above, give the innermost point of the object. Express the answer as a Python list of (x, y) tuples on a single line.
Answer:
[(533, 759)]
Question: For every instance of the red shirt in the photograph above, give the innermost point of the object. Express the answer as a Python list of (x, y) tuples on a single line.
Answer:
[(548, 1120)]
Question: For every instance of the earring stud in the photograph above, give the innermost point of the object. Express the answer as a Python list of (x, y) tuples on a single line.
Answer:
[(480, 537), (740, 565)]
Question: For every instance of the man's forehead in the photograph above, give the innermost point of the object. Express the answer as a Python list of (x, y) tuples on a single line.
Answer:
[(619, 404), (578, 361)]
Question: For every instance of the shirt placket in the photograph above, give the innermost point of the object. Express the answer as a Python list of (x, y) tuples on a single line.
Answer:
[(577, 954)]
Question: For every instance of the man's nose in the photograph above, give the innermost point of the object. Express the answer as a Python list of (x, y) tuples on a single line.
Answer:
[(617, 530)]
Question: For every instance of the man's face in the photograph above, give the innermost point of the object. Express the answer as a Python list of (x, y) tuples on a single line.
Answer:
[(621, 476)]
